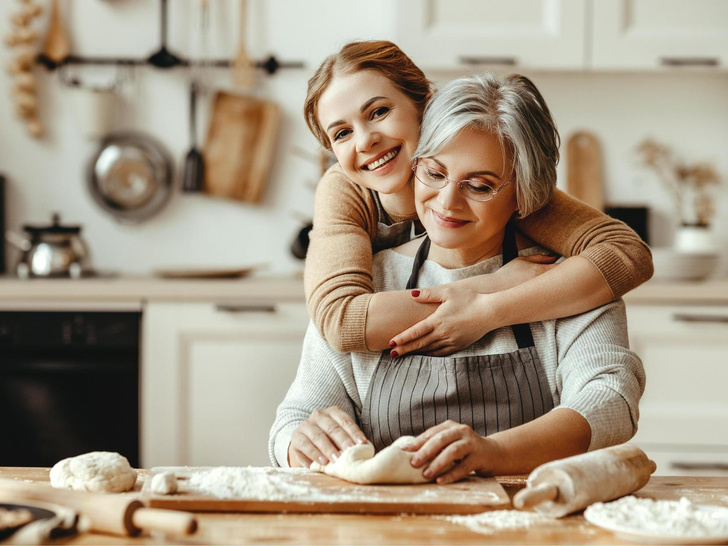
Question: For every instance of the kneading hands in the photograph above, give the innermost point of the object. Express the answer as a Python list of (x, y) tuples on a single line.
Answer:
[(450, 451)]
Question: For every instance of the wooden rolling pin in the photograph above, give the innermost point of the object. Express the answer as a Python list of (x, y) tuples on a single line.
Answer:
[(561, 487), (108, 513)]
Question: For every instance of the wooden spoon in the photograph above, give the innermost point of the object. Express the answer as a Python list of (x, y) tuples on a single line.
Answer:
[(243, 68), (57, 45)]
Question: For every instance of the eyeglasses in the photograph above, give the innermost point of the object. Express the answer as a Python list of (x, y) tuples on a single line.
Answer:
[(477, 189)]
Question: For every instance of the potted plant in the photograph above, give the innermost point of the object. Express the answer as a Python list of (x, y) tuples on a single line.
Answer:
[(693, 190)]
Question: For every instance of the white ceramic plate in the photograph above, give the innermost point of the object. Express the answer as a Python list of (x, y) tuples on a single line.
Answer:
[(632, 535)]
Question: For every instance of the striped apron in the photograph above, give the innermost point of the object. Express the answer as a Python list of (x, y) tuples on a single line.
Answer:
[(490, 393)]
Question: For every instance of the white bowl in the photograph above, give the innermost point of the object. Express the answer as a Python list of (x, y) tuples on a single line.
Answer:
[(674, 265)]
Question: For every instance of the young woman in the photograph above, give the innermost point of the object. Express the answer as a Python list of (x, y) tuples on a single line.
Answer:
[(519, 396), (365, 104)]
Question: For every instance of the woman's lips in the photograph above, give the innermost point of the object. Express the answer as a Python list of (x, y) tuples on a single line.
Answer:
[(448, 221), (393, 152)]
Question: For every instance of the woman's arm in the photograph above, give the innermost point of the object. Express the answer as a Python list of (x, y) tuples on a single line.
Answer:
[(338, 273), (608, 259)]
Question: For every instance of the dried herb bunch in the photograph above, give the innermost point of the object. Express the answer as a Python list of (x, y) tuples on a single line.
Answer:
[(691, 186)]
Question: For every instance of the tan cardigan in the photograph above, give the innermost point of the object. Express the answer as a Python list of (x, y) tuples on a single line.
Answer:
[(338, 274)]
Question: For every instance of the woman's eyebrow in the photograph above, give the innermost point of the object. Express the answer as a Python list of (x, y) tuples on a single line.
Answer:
[(473, 173), (363, 109)]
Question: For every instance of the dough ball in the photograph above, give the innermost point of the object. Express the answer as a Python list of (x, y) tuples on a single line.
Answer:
[(98, 471), (164, 483)]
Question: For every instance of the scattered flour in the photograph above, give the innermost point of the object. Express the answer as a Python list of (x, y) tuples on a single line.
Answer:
[(665, 518), (267, 483), (488, 523)]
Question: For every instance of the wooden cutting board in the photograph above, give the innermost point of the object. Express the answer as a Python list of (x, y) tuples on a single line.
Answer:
[(239, 148), (302, 490), (584, 169)]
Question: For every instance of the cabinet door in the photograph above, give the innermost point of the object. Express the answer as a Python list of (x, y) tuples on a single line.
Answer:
[(477, 33), (642, 34), (685, 353), (212, 378)]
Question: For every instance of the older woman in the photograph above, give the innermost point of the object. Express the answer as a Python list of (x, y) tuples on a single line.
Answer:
[(519, 396)]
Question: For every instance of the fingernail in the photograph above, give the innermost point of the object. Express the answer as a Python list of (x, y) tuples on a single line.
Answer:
[(415, 462), (427, 474), (334, 457), (394, 354), (415, 293), (322, 460), (392, 344), (362, 440)]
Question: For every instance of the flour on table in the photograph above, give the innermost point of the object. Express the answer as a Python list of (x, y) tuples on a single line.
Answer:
[(488, 523), (263, 483), (665, 518), (97, 471), (164, 483), (359, 464)]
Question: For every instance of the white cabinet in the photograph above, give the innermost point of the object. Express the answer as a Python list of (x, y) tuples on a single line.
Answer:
[(654, 33), (564, 34), (450, 33), (212, 377), (684, 411)]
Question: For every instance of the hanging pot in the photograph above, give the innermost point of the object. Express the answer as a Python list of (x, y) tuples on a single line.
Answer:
[(130, 176)]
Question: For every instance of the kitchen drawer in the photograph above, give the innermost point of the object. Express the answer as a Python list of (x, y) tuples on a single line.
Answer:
[(685, 353)]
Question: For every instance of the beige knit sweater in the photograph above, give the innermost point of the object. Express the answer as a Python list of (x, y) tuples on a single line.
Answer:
[(338, 274)]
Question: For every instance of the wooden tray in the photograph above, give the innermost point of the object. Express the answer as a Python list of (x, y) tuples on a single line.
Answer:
[(301, 490)]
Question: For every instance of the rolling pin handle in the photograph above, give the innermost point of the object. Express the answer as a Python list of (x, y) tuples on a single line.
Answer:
[(169, 522), (531, 496)]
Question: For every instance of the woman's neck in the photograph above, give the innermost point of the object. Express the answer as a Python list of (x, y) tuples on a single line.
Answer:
[(401, 203), (457, 258)]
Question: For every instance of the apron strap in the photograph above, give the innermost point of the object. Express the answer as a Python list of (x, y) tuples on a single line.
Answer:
[(522, 332), (420, 258)]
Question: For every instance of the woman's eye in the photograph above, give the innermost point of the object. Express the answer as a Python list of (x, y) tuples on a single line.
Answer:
[(479, 186), (435, 175), (341, 134), (380, 112)]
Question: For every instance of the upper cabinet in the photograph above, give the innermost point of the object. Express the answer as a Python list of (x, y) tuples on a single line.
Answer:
[(654, 33), (462, 33), (564, 34)]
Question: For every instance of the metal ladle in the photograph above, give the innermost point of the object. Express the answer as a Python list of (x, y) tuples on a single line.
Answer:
[(164, 58)]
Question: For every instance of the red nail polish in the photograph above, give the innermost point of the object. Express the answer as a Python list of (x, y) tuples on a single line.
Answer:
[(392, 344), (415, 293), (394, 354)]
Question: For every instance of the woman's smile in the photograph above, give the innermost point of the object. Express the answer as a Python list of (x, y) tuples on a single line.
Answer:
[(448, 221), (383, 161)]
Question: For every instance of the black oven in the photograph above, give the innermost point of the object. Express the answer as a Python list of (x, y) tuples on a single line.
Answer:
[(69, 384)]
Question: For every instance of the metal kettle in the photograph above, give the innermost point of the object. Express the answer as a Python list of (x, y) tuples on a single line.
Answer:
[(51, 251)]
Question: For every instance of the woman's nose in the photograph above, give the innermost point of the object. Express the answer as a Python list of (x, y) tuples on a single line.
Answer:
[(450, 196), (366, 139)]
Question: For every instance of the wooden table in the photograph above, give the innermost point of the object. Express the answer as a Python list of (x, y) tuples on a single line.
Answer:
[(402, 529)]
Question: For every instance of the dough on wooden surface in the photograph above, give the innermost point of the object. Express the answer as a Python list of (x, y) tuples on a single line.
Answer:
[(164, 483), (97, 471), (359, 464)]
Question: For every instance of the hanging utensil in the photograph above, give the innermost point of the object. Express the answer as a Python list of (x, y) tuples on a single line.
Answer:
[(164, 58), (194, 172), (57, 45), (243, 67), (584, 169)]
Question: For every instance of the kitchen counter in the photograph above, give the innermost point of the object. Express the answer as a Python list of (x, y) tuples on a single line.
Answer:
[(241, 528), (131, 289)]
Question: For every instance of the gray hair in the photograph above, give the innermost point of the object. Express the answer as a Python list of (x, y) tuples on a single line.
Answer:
[(515, 111)]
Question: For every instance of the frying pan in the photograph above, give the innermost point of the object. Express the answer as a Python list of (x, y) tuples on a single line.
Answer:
[(130, 176)]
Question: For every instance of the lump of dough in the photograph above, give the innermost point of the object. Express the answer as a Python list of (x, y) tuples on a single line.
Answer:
[(97, 471), (359, 464), (164, 483)]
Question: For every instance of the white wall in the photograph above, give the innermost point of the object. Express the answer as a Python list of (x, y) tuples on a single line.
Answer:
[(687, 111)]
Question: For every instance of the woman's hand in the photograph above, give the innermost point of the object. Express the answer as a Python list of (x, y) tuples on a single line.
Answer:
[(452, 451), (464, 314), (323, 436)]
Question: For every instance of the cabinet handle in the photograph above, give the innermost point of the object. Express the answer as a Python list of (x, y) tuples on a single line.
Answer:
[(506, 61), (689, 61), (681, 317), (245, 307), (684, 465)]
